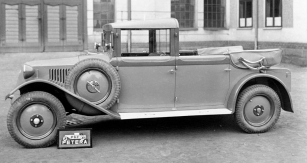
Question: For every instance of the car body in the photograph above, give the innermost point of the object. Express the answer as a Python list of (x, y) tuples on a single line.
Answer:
[(152, 79)]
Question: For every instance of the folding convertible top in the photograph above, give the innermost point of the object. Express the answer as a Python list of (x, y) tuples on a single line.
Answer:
[(256, 59), (251, 59)]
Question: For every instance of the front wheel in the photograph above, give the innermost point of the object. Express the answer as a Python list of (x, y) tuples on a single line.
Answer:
[(258, 109), (34, 118)]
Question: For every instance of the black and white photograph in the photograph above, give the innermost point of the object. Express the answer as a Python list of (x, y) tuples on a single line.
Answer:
[(153, 81)]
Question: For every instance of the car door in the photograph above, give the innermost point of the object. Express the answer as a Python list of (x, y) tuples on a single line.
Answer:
[(202, 81), (147, 70), (148, 83)]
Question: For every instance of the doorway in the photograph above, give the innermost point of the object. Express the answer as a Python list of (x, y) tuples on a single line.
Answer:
[(41, 25)]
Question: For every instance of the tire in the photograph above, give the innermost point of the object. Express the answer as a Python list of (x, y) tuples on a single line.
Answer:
[(258, 109), (34, 118), (95, 80)]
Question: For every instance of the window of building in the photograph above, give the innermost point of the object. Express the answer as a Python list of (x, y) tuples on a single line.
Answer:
[(214, 13), (245, 13), (273, 13), (103, 13), (184, 12)]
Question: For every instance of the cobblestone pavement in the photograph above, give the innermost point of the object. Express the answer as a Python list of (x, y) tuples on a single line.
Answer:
[(188, 139)]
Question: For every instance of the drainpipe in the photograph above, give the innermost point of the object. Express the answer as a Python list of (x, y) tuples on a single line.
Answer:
[(129, 31), (256, 24)]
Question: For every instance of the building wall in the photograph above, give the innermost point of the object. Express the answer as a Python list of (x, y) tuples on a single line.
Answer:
[(150, 9), (291, 36), (140, 10)]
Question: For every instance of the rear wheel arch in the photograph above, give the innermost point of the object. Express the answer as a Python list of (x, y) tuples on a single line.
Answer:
[(275, 84)]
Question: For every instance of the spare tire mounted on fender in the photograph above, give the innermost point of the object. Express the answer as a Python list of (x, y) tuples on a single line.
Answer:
[(95, 80)]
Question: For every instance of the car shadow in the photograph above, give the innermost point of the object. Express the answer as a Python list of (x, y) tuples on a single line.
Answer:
[(162, 127)]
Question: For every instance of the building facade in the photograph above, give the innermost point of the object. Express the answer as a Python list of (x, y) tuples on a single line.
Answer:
[(42, 25), (74, 25)]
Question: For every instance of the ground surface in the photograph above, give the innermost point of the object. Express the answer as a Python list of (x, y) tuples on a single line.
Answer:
[(189, 139)]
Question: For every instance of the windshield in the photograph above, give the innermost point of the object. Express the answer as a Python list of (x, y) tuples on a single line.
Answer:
[(107, 41)]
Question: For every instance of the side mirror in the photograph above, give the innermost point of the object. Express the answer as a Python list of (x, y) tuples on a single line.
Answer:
[(97, 46)]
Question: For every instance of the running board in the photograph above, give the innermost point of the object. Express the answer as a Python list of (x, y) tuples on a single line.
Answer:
[(174, 113)]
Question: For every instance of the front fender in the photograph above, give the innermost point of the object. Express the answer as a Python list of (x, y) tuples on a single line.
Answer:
[(283, 93), (108, 112)]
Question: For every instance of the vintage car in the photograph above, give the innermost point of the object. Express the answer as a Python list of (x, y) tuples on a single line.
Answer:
[(142, 73)]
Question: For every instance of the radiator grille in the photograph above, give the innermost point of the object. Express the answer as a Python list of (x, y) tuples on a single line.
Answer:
[(58, 75)]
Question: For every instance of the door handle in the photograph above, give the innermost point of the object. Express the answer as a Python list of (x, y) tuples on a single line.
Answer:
[(172, 71), (227, 69)]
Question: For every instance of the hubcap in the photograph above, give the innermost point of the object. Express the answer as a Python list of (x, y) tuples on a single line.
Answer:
[(258, 111), (93, 85), (36, 121)]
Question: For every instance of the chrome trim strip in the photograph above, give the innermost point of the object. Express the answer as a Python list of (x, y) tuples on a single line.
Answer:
[(143, 115)]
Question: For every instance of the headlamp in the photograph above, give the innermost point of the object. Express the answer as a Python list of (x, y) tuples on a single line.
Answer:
[(28, 71)]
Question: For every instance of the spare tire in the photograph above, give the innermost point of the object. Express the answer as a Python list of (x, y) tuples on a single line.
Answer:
[(95, 80)]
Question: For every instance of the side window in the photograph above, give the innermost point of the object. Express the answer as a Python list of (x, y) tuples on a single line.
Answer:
[(145, 43), (273, 13), (214, 13), (159, 42), (103, 13), (245, 13)]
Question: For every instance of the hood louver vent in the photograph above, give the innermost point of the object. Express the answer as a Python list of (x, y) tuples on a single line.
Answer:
[(58, 75)]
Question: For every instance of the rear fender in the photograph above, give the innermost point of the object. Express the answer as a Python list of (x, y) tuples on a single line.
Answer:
[(278, 86), (79, 100)]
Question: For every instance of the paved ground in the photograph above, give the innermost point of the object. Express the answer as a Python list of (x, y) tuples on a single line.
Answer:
[(189, 139)]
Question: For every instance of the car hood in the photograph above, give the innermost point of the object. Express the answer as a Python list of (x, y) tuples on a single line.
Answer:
[(65, 61), (43, 68)]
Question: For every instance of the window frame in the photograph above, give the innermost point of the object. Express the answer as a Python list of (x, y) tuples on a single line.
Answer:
[(281, 15), (245, 18), (100, 12), (222, 6), (154, 40), (193, 13)]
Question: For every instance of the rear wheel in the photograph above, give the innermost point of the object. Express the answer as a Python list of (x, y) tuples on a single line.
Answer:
[(34, 118), (258, 109)]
